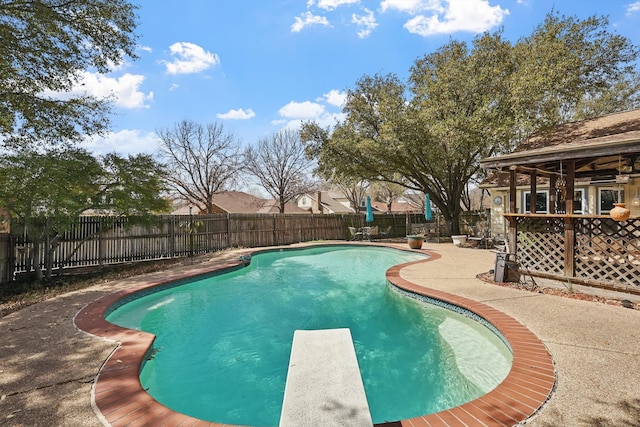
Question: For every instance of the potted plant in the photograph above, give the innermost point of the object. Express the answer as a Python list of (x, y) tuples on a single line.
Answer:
[(415, 241), (459, 240)]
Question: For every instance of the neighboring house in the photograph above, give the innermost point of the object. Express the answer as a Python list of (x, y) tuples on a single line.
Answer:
[(335, 202), (400, 206), (240, 202), (325, 202), (273, 206), (577, 172)]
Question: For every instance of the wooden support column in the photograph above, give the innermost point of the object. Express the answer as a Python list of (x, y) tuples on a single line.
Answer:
[(569, 228), (571, 176), (552, 194), (513, 232), (533, 196)]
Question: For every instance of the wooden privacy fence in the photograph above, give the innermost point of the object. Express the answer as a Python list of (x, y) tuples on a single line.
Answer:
[(102, 240)]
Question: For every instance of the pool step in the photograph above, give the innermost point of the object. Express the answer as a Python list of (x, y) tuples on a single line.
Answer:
[(324, 386)]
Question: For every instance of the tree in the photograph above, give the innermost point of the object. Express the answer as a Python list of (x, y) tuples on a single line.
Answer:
[(387, 192), (567, 63), (48, 190), (461, 104), (354, 190), (46, 44), (280, 165), (203, 160)]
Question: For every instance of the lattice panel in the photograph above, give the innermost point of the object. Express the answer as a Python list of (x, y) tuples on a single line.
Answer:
[(608, 251), (541, 244)]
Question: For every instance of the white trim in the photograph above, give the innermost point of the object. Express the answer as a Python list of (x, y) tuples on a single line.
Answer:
[(528, 192)]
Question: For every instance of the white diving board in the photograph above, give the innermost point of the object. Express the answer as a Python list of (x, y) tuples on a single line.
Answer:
[(324, 386)]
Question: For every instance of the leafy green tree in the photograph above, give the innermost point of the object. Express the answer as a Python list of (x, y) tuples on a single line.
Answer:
[(280, 165), (45, 46), (463, 103), (47, 191), (203, 159), (566, 64)]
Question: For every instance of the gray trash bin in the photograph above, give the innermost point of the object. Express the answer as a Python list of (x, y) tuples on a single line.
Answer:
[(506, 269)]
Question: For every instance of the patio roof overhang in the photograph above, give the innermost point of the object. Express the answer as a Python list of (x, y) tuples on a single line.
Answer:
[(609, 155)]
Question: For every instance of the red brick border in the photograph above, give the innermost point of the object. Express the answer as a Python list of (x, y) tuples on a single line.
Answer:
[(120, 399)]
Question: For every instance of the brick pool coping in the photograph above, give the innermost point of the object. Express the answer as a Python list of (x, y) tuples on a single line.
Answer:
[(119, 399)]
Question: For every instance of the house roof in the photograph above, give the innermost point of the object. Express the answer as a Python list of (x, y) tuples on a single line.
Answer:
[(273, 206), (604, 145), (240, 202), (396, 207), (329, 202)]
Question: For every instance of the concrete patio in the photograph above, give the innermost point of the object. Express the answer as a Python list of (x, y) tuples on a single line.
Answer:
[(47, 366)]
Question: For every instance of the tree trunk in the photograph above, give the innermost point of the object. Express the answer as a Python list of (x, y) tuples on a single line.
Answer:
[(455, 223), (36, 259)]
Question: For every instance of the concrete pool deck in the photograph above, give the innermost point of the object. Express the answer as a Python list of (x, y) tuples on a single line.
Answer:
[(47, 366)]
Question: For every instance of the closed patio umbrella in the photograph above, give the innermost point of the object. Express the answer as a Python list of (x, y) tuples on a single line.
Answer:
[(427, 207), (369, 217)]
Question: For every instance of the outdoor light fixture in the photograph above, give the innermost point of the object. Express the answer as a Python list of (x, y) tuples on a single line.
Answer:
[(635, 202)]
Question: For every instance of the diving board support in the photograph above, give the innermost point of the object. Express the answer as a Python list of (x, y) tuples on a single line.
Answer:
[(324, 386)]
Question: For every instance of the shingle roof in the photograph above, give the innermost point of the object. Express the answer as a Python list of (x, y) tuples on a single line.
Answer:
[(609, 127)]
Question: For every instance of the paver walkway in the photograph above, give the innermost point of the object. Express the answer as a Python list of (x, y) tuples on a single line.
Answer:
[(47, 366)]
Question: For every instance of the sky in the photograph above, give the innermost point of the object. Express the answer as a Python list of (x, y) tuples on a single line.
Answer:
[(258, 66)]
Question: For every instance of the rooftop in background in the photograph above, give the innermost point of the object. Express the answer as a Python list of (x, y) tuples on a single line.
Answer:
[(240, 202)]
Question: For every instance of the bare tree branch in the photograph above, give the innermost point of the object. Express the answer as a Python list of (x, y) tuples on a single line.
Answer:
[(202, 160)]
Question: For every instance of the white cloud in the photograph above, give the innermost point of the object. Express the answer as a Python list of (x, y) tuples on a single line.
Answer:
[(189, 58), (173, 87), (333, 4), (335, 97), (301, 110), (124, 142), (145, 48), (461, 15), (367, 23), (412, 6), (307, 19), (238, 114), (633, 8), (295, 113), (124, 91)]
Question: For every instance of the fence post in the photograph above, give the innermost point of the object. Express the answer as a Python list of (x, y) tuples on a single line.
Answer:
[(5, 259), (172, 236), (275, 230), (228, 230), (101, 250)]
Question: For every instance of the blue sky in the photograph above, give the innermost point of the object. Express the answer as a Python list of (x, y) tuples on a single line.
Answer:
[(256, 66)]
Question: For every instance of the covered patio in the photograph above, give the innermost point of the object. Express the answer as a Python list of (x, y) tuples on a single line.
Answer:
[(577, 172)]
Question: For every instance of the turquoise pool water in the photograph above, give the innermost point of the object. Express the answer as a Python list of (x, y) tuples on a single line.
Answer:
[(223, 342)]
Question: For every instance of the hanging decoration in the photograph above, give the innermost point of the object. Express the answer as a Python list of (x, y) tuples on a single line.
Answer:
[(619, 211), (561, 186), (635, 202)]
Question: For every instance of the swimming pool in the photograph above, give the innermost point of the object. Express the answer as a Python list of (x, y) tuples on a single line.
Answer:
[(414, 358)]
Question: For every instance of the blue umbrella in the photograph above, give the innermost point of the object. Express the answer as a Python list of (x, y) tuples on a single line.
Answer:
[(369, 217), (427, 207)]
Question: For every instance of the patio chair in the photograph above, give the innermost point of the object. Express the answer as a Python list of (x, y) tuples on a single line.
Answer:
[(386, 233), (355, 234)]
